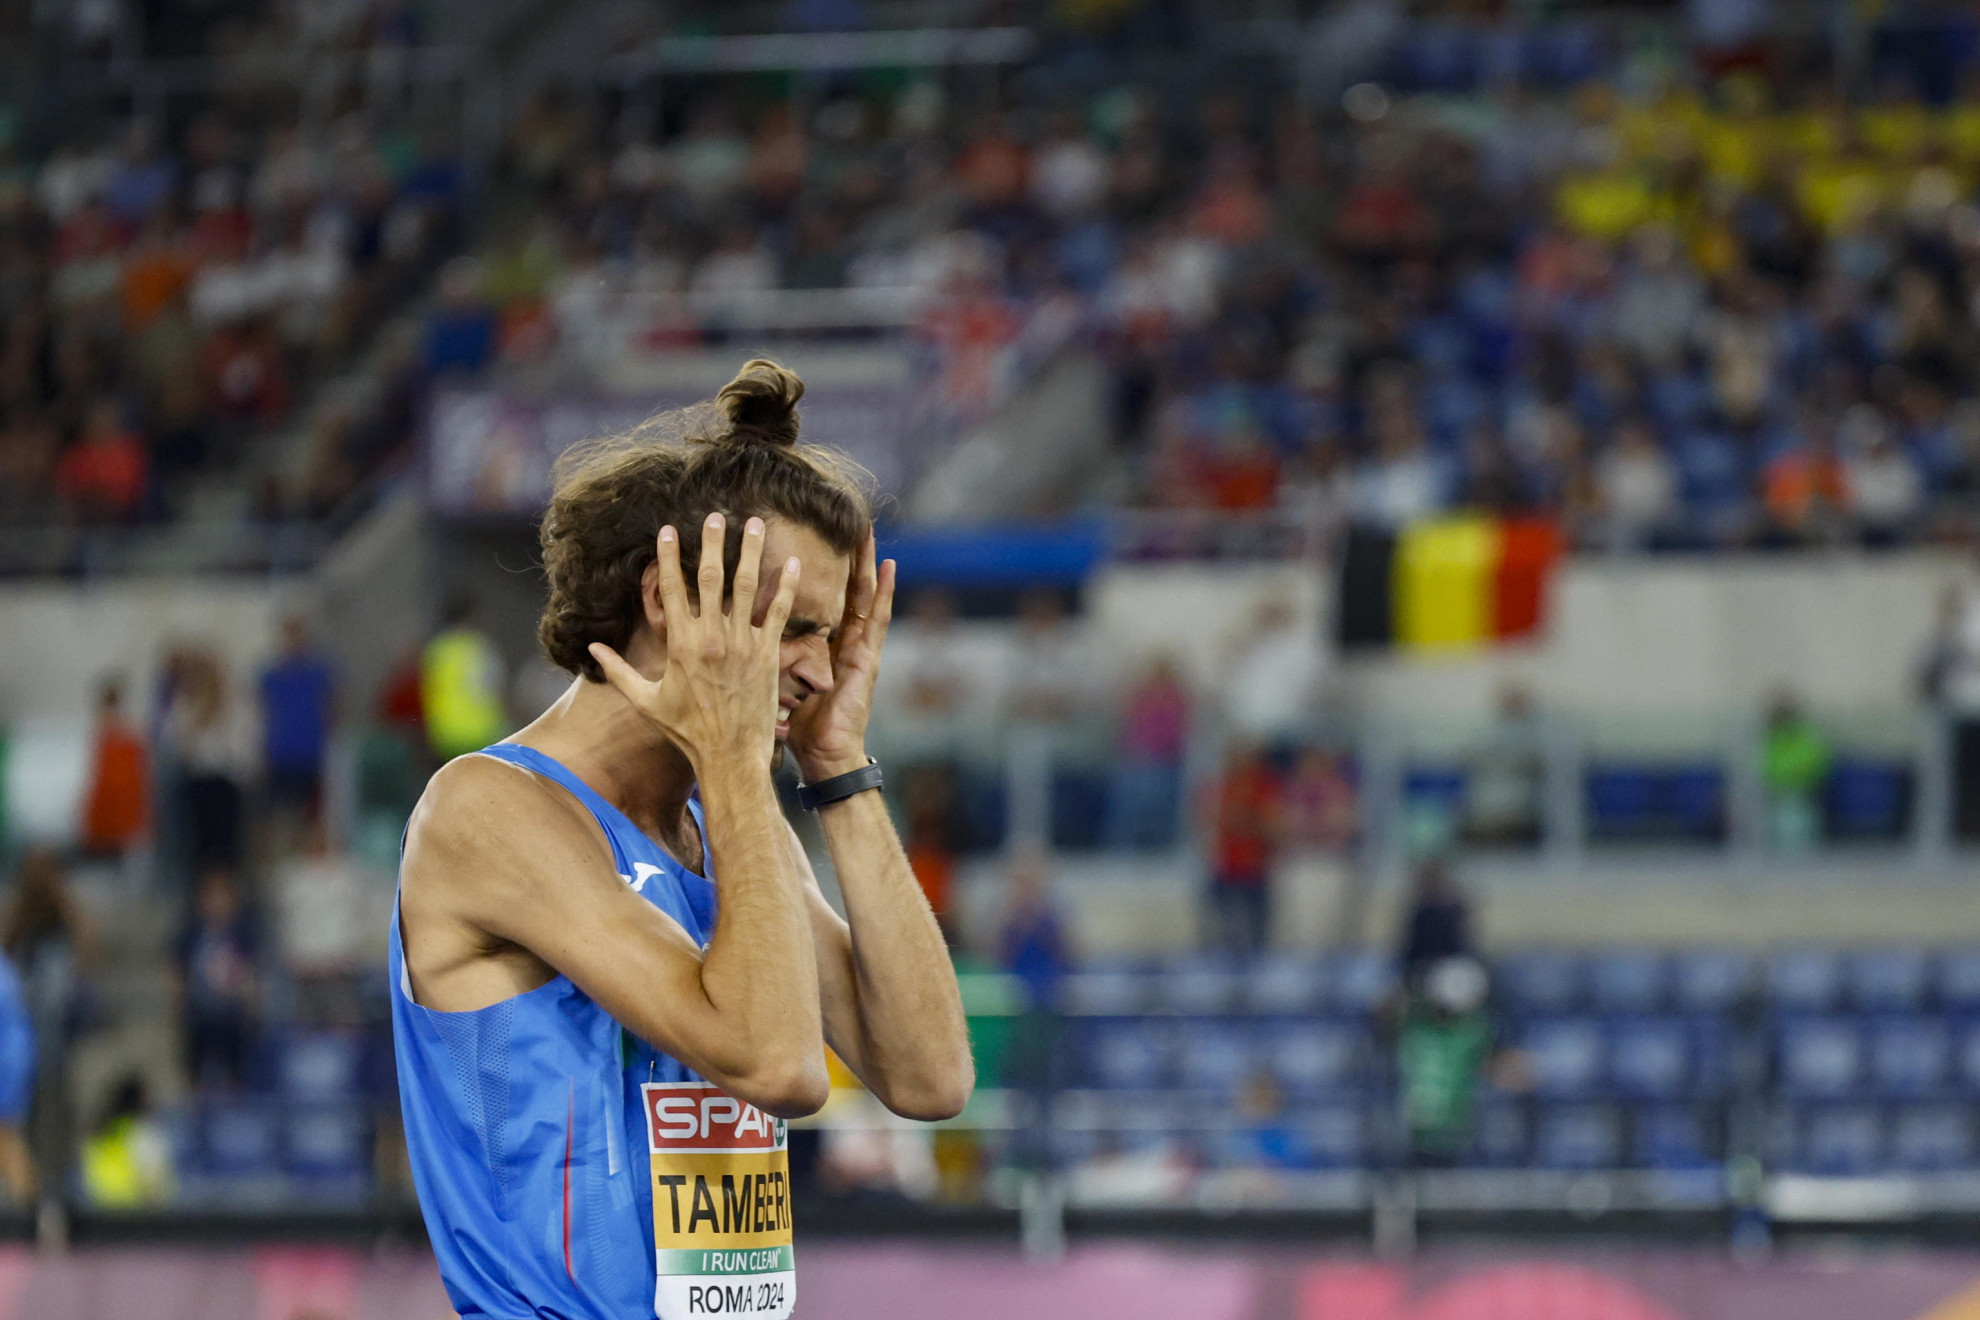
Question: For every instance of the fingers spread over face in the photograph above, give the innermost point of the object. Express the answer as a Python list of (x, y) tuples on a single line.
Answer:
[(742, 605), (780, 608), (673, 590), (708, 582), (883, 600)]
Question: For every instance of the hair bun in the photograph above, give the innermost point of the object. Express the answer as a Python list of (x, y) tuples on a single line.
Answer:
[(762, 403)]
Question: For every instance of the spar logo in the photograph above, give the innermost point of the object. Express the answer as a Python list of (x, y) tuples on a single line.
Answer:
[(695, 1116)]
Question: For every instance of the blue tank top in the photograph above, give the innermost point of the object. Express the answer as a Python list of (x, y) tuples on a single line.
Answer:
[(539, 1131)]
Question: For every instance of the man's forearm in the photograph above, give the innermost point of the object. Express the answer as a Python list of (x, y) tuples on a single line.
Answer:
[(912, 1033), (760, 963)]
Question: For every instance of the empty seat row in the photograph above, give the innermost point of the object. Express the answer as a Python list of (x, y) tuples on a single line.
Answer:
[(1854, 1139), (1304, 1058), (1661, 1058), (1895, 1057), (1354, 982), (1715, 980), (241, 1138)]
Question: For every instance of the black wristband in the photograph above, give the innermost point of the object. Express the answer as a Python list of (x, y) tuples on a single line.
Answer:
[(839, 787)]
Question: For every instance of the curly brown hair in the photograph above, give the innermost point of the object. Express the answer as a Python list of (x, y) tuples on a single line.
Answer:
[(739, 454)]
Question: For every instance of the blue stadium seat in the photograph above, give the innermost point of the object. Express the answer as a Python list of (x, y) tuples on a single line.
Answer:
[(1333, 1136), (1909, 1056), (1629, 980), (1078, 808), (239, 1137), (1965, 1061), (1651, 1058), (1562, 54), (1932, 1138), (1711, 980), (1286, 983), (1889, 980), (1541, 981), (318, 1065), (1840, 1140), (1130, 1054), (1580, 1136), (1958, 979), (1805, 980), (1215, 1057), (1106, 992), (1501, 1134), (1564, 1056), (1316, 1058), (1363, 980), (1619, 802), (1868, 799), (1819, 1057), (1437, 57), (1671, 1137), (1198, 986), (328, 1142)]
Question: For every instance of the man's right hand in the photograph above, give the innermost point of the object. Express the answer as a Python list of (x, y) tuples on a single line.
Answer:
[(717, 698)]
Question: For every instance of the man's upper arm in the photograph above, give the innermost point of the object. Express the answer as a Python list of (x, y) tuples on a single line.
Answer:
[(512, 858)]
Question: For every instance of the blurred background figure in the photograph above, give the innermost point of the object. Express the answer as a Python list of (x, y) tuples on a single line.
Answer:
[(462, 677), (218, 982), (118, 805), (208, 740), (1146, 791), (1502, 801), (1436, 924), (298, 692), (1242, 826), (1444, 1044), (127, 1160), (1031, 940), (18, 1173), (1795, 758)]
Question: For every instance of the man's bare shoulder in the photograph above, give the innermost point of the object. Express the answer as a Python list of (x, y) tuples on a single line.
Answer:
[(490, 819)]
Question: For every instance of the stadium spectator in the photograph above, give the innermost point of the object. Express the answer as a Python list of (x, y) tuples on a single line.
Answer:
[(18, 1175), (1949, 681), (1273, 675), (1032, 943), (127, 1159), (105, 474), (218, 982), (931, 679), (1638, 489), (1243, 812), (1049, 676), (208, 740), (298, 706), (1437, 924), (1443, 1049), (1506, 776), (1795, 757), (117, 805), (1316, 886), (461, 681), (1146, 786), (51, 943)]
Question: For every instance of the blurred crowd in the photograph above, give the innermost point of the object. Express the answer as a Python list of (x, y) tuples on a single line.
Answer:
[(1670, 308), (172, 282)]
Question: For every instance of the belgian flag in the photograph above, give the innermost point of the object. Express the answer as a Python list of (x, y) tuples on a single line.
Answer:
[(1447, 583)]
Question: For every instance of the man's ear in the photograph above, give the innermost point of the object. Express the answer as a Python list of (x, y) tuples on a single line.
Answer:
[(649, 600)]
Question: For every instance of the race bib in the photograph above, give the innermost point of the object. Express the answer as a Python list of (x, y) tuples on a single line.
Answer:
[(721, 1205)]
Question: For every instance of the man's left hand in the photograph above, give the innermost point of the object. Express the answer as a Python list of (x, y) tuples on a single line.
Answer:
[(828, 732)]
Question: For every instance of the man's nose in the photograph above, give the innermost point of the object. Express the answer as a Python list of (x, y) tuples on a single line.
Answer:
[(814, 665)]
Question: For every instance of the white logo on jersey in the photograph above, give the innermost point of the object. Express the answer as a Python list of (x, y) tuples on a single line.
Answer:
[(642, 872)]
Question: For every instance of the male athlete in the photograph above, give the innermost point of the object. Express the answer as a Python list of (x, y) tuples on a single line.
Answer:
[(615, 972)]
